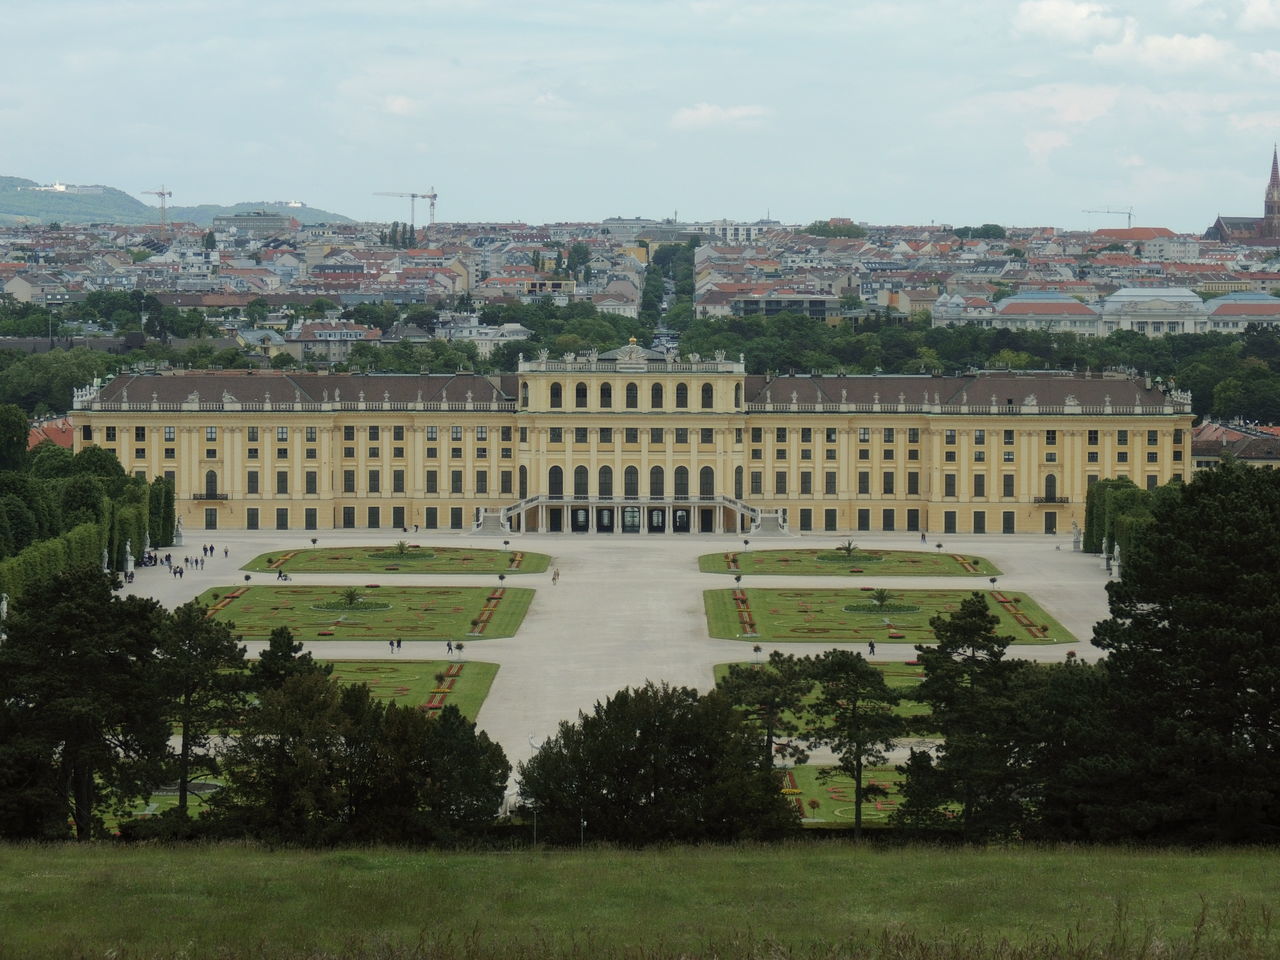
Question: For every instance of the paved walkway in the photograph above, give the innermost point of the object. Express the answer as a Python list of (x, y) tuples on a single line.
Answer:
[(629, 609)]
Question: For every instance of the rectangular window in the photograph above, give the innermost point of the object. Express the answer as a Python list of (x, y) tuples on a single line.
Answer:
[(886, 483), (948, 484), (311, 453), (864, 434), (309, 517), (979, 521), (397, 482), (1153, 437), (482, 434), (251, 434), (251, 518), (806, 434), (979, 456), (1122, 457), (757, 453), (949, 437), (631, 435), (579, 434), (682, 436), (1177, 456), (913, 454), (948, 521), (349, 452), (1008, 438), (829, 483), (949, 456), (1152, 481), (1051, 456), (432, 434), (1007, 457), (706, 436), (864, 481), (780, 435), (757, 435), (655, 436), (171, 434), (888, 434), (311, 478), (606, 434), (979, 437), (524, 434), (1006, 485), (139, 434), (506, 435), (979, 485), (888, 520), (482, 481), (1177, 435), (211, 518), (864, 454), (397, 453), (831, 434), (864, 519), (210, 433), (780, 482), (482, 453), (170, 453), (1153, 456), (555, 435), (1122, 437), (375, 481), (455, 518), (430, 518), (455, 481), (139, 453), (780, 453), (1093, 456), (913, 483), (806, 482), (397, 517), (311, 434), (504, 481), (282, 481), (913, 434), (1050, 438), (282, 453), (828, 520), (757, 482), (282, 434), (348, 481), (282, 518), (397, 435), (375, 518), (806, 519), (433, 453), (455, 434), (913, 520), (349, 433), (1093, 438), (885, 455), (1007, 522), (251, 482)]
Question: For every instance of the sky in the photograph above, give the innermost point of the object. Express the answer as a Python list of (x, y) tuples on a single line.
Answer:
[(1019, 112)]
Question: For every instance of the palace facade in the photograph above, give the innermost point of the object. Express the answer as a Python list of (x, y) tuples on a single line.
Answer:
[(636, 441)]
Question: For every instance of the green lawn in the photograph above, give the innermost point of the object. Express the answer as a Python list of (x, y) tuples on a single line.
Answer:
[(385, 558), (383, 613), (820, 897), (820, 616), (831, 562), (413, 682), (835, 795)]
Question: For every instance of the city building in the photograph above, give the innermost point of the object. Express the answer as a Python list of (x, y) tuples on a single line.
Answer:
[(636, 440), (1261, 231)]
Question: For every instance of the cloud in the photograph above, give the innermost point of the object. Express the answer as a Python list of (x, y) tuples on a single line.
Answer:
[(1177, 52), (1041, 143), (1066, 20), (1068, 104), (1260, 15), (400, 106), (1255, 121), (704, 116), (1132, 160)]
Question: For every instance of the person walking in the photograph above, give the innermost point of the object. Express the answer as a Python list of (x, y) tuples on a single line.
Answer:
[(392, 645), (871, 648), (555, 576), (448, 645), (399, 644)]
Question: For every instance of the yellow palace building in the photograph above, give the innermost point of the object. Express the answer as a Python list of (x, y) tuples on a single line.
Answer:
[(634, 441)]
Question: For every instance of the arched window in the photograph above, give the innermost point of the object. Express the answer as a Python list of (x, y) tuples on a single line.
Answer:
[(606, 482), (580, 396), (706, 482), (656, 485), (737, 394), (557, 396), (633, 396), (1050, 487), (211, 483), (580, 481), (682, 396), (524, 394), (606, 395), (737, 482), (524, 482), (682, 483), (708, 396), (555, 482), (631, 482), (655, 396)]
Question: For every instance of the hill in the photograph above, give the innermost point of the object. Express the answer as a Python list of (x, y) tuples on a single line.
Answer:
[(20, 202)]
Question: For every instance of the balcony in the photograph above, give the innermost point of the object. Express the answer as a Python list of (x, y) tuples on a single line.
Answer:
[(1050, 499), (208, 496)]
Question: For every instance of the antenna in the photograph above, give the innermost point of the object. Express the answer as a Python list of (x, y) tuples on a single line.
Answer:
[(164, 195)]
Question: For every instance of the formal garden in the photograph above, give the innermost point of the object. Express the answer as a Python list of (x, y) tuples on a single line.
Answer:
[(848, 559), (371, 612), (403, 556), (863, 615)]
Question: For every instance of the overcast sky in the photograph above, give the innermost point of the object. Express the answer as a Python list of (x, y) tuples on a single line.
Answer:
[(907, 111)]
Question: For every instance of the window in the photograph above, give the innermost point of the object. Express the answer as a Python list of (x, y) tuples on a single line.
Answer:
[(757, 453), (139, 434), (682, 436), (504, 481), (606, 434), (282, 434), (1122, 437), (948, 484), (655, 396), (757, 435), (251, 518), (482, 481), (949, 456), (311, 481), (979, 437), (251, 482), (251, 434), (864, 454), (913, 454), (913, 483), (979, 456), (829, 453), (829, 483), (780, 453), (806, 482), (140, 453), (171, 434), (706, 436), (211, 518), (1051, 456), (1177, 434), (1093, 438), (831, 434), (631, 435), (1152, 481), (632, 394), (455, 453), (375, 481), (949, 437), (557, 396), (1008, 438), (979, 521), (397, 453), (807, 454), (888, 434), (979, 485), (1153, 456), (682, 396), (655, 436), (913, 434), (780, 482), (864, 434), (348, 451), (888, 520), (1153, 437), (433, 453), (432, 434), (282, 481), (580, 396), (631, 482), (757, 482), (708, 396), (311, 434), (375, 518), (886, 482), (482, 434), (1050, 438), (1177, 456), (455, 481), (1008, 456), (210, 453), (1122, 457), (433, 485), (210, 433), (864, 481), (170, 453), (311, 454), (555, 435), (579, 434), (397, 434), (524, 434), (780, 435), (349, 434), (1006, 485), (506, 434), (606, 395), (657, 481), (1093, 456), (455, 434), (806, 435), (348, 481), (282, 453)]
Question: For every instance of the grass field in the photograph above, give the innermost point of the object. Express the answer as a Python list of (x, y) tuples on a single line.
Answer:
[(387, 559), (831, 562), (66, 901), (821, 616), (835, 796), (383, 613)]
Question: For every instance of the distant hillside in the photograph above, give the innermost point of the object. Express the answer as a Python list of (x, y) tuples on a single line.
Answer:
[(19, 203)]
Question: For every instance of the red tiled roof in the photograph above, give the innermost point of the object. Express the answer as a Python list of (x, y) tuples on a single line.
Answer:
[(61, 432)]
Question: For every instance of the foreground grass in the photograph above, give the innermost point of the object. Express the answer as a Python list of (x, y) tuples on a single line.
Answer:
[(417, 558), (832, 562), (382, 614), (804, 899), (848, 615)]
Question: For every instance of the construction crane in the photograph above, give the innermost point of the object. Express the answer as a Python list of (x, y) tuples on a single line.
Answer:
[(413, 199), (1120, 213), (164, 195)]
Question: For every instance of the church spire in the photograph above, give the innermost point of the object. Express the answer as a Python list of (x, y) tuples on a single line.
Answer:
[(1275, 168)]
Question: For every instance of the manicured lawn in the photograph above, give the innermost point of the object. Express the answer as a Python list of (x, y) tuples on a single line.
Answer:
[(835, 795), (413, 682), (822, 898), (383, 613), (385, 558), (831, 562), (820, 616)]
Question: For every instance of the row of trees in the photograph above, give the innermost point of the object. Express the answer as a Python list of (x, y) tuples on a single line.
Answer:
[(95, 687)]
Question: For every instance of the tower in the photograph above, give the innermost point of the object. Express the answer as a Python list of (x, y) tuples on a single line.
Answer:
[(1271, 203)]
